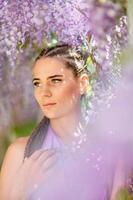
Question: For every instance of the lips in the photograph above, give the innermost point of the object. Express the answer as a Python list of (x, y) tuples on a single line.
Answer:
[(49, 104)]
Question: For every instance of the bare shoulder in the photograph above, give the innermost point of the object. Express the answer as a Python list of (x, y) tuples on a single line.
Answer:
[(12, 161), (19, 143), (15, 151), (17, 146)]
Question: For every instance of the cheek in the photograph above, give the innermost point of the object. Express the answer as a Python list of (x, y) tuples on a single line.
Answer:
[(36, 95), (69, 94)]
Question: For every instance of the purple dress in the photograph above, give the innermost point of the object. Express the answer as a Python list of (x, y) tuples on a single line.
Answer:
[(86, 174), (52, 141)]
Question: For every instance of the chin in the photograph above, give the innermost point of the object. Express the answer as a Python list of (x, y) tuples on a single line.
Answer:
[(57, 113), (53, 115), (50, 115)]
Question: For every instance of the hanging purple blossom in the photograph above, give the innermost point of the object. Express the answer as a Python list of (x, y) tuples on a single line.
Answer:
[(31, 21), (26, 26)]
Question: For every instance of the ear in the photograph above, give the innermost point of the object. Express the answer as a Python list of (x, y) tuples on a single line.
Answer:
[(83, 83)]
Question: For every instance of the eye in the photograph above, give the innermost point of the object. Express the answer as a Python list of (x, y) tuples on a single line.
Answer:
[(56, 80), (36, 84)]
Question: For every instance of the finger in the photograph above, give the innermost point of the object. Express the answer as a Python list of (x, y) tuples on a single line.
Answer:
[(46, 168), (46, 155), (50, 162), (41, 152), (36, 154), (25, 159), (38, 165), (30, 160)]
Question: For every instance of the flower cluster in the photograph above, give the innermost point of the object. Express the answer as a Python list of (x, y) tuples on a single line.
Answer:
[(28, 26), (33, 21)]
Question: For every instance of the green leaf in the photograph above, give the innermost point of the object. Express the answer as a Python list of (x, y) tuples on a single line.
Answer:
[(124, 194), (23, 129)]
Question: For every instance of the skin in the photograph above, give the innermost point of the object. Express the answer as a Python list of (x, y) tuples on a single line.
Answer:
[(17, 178)]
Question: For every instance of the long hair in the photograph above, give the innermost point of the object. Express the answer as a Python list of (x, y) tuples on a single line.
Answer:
[(71, 59)]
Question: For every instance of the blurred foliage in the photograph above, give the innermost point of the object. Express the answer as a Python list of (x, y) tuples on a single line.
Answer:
[(124, 194), (23, 129), (4, 143), (123, 4)]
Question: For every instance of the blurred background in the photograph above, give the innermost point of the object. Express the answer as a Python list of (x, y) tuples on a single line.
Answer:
[(21, 25)]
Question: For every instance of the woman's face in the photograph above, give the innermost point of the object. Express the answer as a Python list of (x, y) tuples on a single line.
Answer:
[(56, 89)]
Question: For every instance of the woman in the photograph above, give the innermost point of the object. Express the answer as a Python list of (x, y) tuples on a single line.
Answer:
[(59, 83)]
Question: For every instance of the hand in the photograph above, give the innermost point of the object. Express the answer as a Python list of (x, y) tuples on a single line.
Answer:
[(32, 173)]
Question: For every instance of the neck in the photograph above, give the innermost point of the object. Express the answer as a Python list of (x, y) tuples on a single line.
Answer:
[(65, 126)]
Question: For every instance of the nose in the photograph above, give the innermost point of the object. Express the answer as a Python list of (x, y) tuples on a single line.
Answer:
[(45, 92)]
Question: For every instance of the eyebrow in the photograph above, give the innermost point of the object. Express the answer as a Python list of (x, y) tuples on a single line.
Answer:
[(54, 76)]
